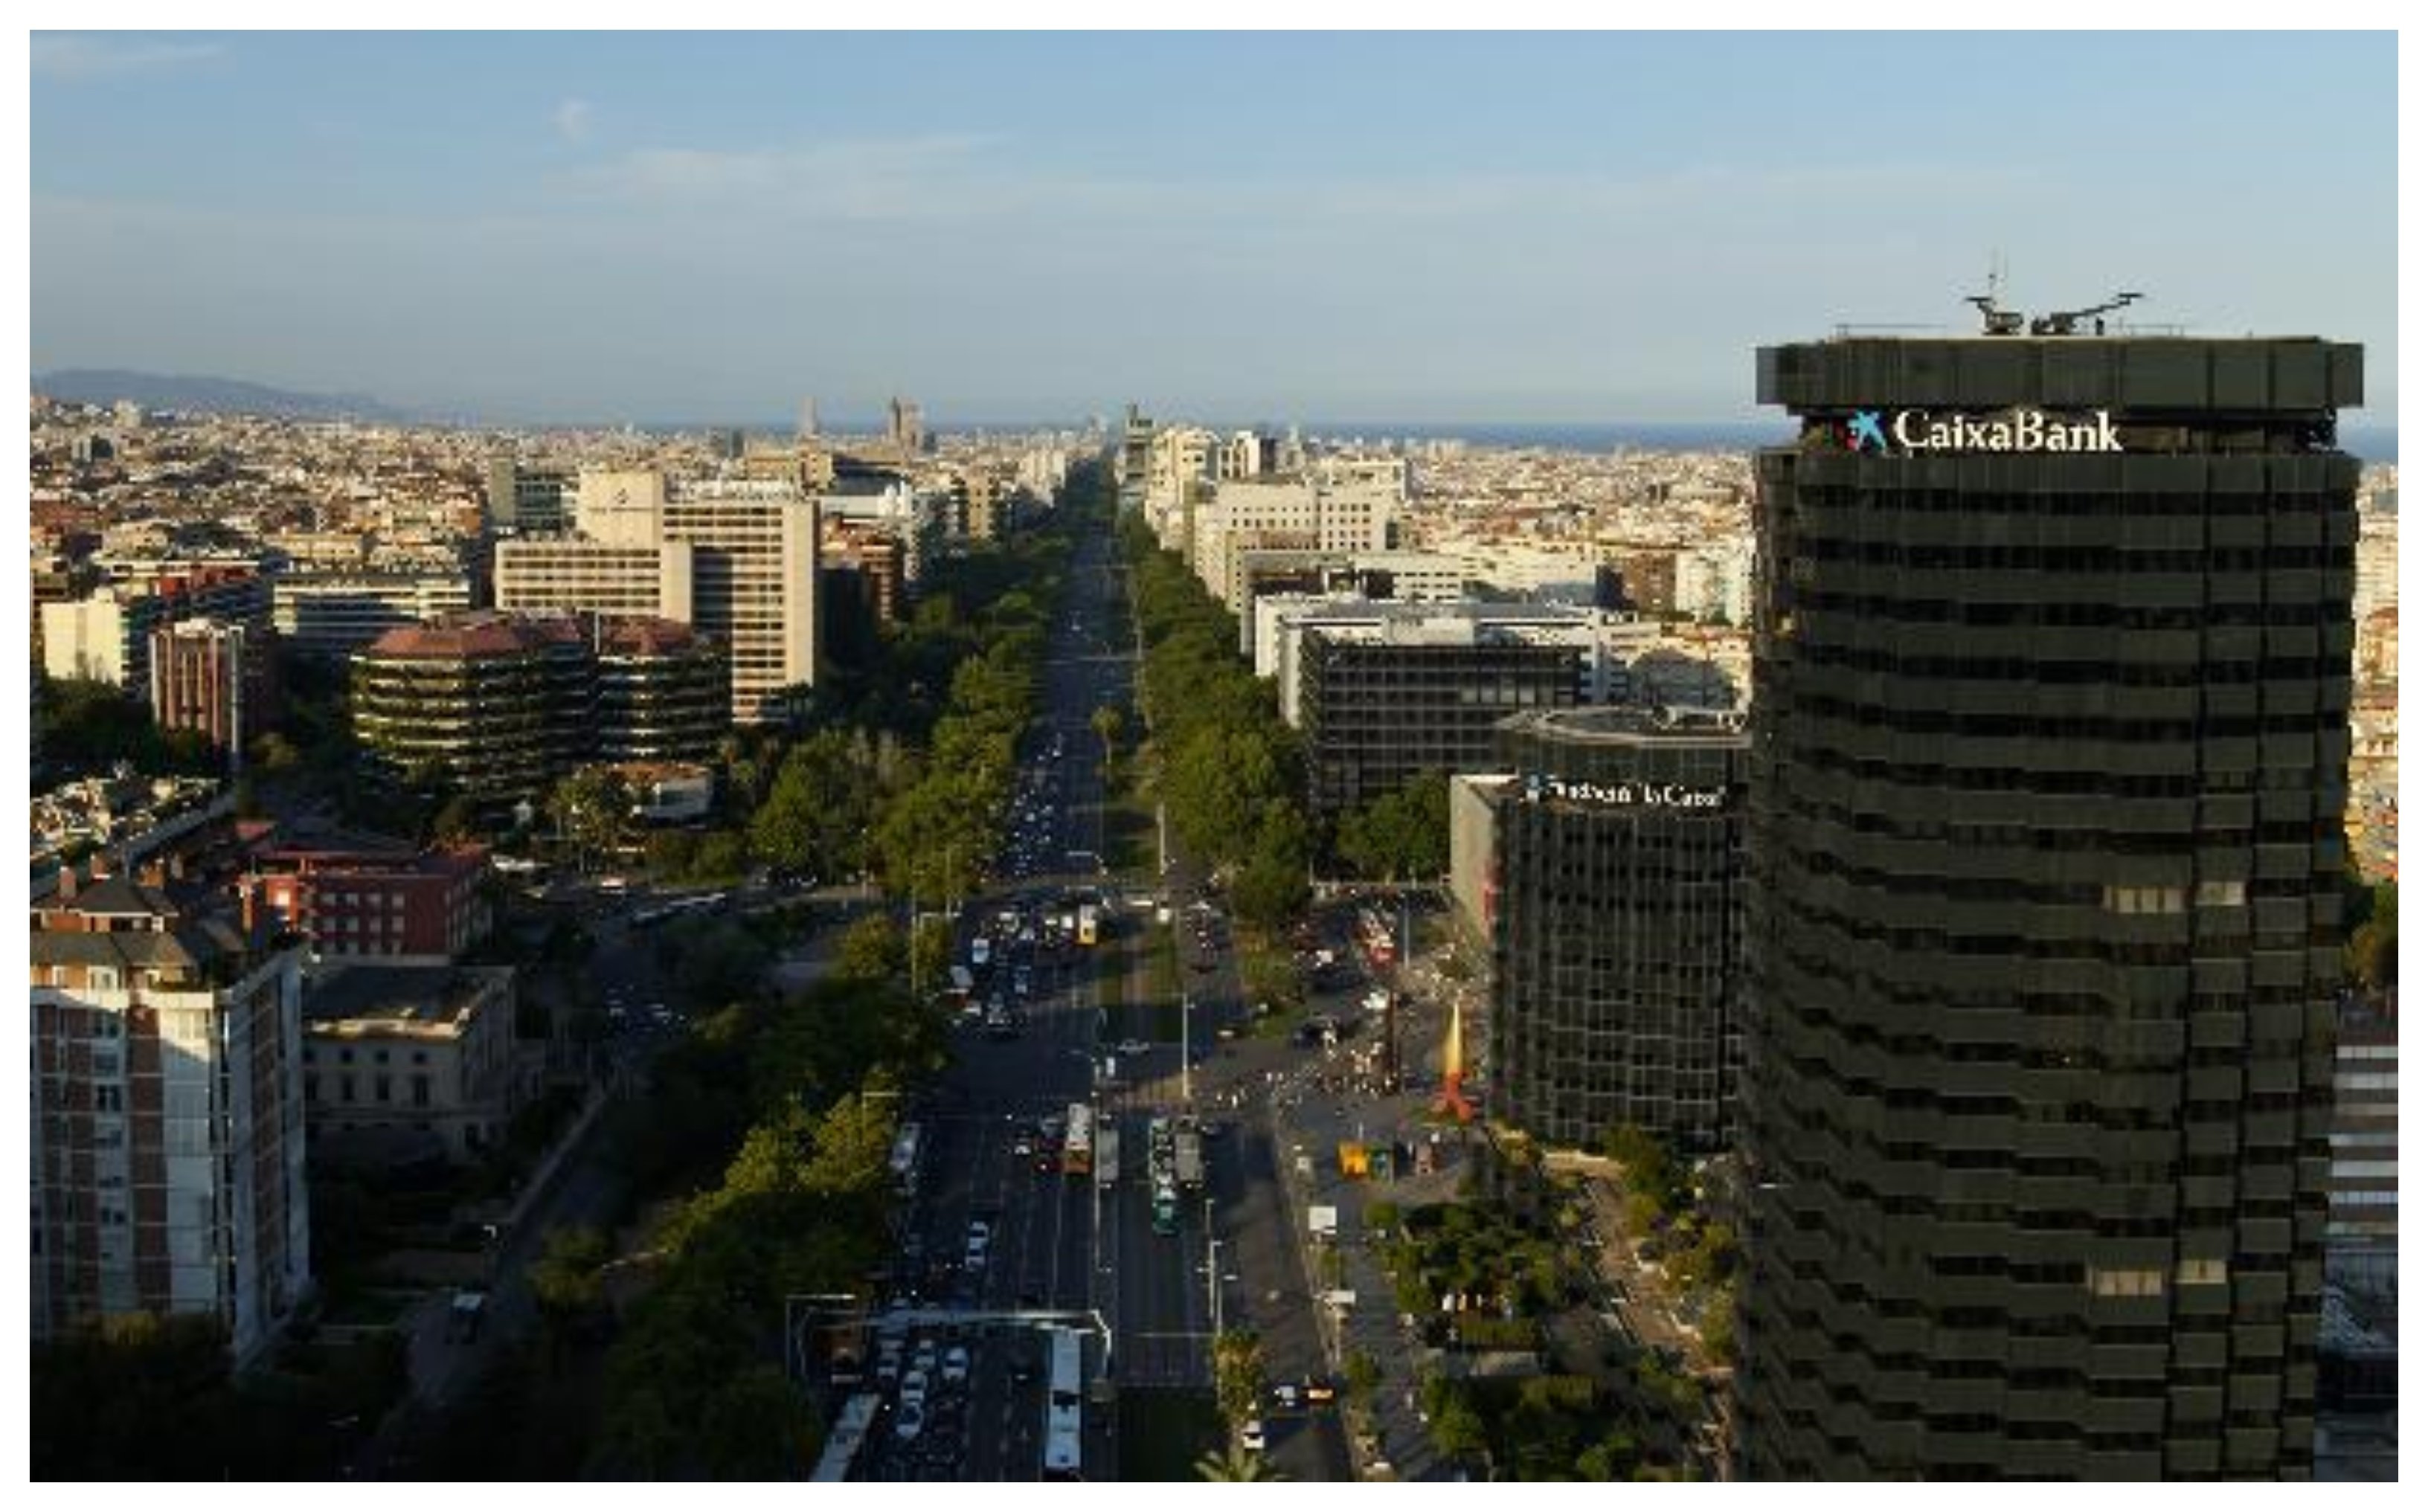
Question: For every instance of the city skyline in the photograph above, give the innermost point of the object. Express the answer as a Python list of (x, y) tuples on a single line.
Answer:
[(1404, 229)]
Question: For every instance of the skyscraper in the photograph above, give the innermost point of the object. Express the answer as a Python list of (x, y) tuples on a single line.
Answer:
[(2053, 639)]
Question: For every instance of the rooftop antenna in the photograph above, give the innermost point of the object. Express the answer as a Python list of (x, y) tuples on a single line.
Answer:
[(2065, 322), (1995, 319)]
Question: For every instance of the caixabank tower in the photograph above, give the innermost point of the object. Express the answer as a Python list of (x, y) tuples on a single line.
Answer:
[(2051, 669)]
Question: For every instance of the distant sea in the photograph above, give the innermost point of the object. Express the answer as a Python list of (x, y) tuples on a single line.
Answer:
[(2370, 443)]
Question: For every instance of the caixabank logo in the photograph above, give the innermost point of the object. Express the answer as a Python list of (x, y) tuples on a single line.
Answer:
[(1920, 432)]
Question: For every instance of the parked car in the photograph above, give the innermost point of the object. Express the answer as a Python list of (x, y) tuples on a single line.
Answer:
[(1252, 1436)]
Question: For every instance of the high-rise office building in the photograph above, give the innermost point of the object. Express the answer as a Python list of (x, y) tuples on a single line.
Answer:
[(1616, 870), (1383, 702), (808, 428), (2053, 644)]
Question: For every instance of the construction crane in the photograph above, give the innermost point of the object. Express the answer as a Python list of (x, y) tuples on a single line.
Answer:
[(2064, 322)]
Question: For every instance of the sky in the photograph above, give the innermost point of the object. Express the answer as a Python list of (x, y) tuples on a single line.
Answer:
[(579, 228)]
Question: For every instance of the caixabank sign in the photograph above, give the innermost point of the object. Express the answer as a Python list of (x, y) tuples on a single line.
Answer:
[(1541, 788), (1923, 432)]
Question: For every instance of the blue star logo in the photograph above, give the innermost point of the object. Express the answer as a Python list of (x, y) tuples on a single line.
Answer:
[(1864, 427)]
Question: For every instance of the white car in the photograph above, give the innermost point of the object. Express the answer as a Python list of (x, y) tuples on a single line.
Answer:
[(957, 1365), (1252, 1437), (1133, 1047), (915, 1388)]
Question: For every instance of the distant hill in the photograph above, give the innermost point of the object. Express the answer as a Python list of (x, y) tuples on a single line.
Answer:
[(225, 396)]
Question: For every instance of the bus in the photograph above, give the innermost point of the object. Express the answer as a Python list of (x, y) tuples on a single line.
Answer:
[(1078, 1141), (1062, 1405), (842, 1454)]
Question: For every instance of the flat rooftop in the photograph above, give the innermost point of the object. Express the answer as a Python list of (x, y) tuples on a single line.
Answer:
[(1628, 724), (377, 997)]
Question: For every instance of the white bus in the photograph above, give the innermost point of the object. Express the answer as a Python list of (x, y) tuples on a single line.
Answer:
[(1062, 1405), (842, 1454)]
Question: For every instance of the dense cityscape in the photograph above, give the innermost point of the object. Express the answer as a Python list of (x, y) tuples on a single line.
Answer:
[(1154, 947)]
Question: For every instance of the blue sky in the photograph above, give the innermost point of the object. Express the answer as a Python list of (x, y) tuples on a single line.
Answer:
[(1420, 228)]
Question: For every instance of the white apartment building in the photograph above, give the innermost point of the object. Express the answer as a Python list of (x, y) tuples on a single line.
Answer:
[(1292, 512), (607, 578), (1179, 457), (1715, 582)]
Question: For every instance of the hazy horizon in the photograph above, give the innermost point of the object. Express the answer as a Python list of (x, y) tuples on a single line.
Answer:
[(1559, 229)]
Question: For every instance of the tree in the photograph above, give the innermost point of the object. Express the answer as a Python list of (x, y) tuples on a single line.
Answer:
[(458, 819), (1364, 1376), (818, 808), (1239, 1374), (565, 1282), (593, 808), (756, 1426), (2370, 954), (871, 949), (1107, 722), (1236, 1463)]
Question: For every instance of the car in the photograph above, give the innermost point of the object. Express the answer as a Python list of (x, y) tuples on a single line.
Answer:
[(957, 1365), (923, 1359), (1321, 1392), (1133, 1047), (1286, 1397), (1252, 1436), (910, 1419), (1024, 1147), (914, 1387)]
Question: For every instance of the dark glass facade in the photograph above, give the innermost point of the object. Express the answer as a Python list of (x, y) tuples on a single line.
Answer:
[(1379, 709), (1618, 857), (2045, 797)]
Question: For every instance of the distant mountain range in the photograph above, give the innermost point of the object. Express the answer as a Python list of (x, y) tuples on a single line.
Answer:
[(225, 396)]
